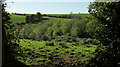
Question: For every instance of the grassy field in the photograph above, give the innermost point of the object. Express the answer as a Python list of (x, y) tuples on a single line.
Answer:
[(17, 18), (54, 50), (46, 52), (21, 19)]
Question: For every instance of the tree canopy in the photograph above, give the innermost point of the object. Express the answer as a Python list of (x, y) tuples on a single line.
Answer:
[(107, 31)]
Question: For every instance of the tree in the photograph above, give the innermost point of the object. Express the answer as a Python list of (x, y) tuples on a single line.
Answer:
[(32, 17), (39, 16), (107, 32), (91, 26), (109, 20), (66, 27), (78, 28), (27, 19), (69, 16), (8, 37)]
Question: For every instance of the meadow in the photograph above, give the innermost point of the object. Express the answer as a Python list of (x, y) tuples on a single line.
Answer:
[(46, 52), (17, 18), (54, 40), (63, 40)]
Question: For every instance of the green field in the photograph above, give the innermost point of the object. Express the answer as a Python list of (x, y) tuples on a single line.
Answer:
[(53, 40), (63, 40), (44, 52), (17, 18), (20, 18)]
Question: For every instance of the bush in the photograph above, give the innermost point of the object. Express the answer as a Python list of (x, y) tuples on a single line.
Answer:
[(107, 32)]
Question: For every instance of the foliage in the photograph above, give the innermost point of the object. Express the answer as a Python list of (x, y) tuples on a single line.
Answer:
[(52, 27), (91, 26), (107, 31), (27, 19), (66, 27), (34, 18), (78, 28), (7, 29), (39, 15), (9, 44), (19, 14), (57, 27), (109, 18)]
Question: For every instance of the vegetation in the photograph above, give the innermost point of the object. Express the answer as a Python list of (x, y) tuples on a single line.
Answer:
[(61, 34), (48, 52), (34, 18), (17, 18), (69, 39), (107, 32), (55, 27), (8, 41)]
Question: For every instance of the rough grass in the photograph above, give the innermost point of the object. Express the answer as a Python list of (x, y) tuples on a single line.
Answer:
[(46, 52)]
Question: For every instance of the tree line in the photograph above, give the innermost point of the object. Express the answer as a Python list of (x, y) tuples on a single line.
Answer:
[(34, 18), (65, 16)]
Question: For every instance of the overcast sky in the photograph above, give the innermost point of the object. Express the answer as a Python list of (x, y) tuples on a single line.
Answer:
[(49, 0)]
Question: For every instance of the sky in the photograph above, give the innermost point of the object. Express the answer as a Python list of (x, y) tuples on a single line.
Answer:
[(47, 6), (49, 0)]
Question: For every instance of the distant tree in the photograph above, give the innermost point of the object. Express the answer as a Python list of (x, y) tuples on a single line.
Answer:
[(69, 16), (32, 17), (12, 13), (27, 19), (38, 13), (39, 16)]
